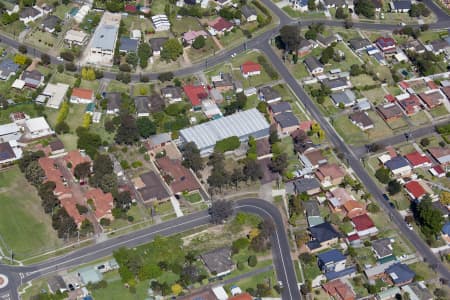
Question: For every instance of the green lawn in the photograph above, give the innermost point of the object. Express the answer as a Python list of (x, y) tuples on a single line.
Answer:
[(311, 270), (185, 24), (362, 80), (439, 111), (365, 256), (423, 270), (193, 198), (198, 54), (420, 118), (92, 85), (29, 109), (42, 39), (14, 29), (117, 291), (303, 15), (117, 86), (375, 96), (431, 35), (344, 65), (23, 224), (298, 70), (349, 132), (251, 282), (63, 78)]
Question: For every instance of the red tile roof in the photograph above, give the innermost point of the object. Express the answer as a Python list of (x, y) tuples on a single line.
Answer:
[(130, 8), (404, 85), (70, 205), (446, 91), (220, 24), (195, 93), (415, 189), (245, 296), (182, 178), (411, 104), (432, 99), (75, 158), (53, 174), (432, 85), (250, 67), (83, 93), (103, 202), (353, 237), (385, 43), (362, 222), (389, 98), (417, 159), (339, 290), (331, 170), (438, 170)]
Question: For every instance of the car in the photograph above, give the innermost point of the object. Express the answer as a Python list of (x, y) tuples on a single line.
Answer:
[(101, 267), (385, 197), (59, 58), (391, 205), (71, 287), (233, 55), (280, 284), (402, 24), (410, 227)]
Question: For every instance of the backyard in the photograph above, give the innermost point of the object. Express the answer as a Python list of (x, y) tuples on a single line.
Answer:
[(24, 226)]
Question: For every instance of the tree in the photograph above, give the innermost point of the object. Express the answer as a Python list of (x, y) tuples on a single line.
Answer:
[(82, 170), (425, 142), (64, 224), (327, 54), (228, 144), (430, 218), (252, 170), (166, 76), (252, 261), (383, 175), (445, 198), (123, 200), (365, 8), (418, 10), (132, 59), (394, 187), (128, 132), (171, 50), (199, 42), (373, 208), (220, 211), (62, 127), (176, 289), (240, 244), (355, 70), (86, 227), (279, 163), (45, 59), (340, 13), (311, 34), (144, 53), (311, 5), (192, 158), (34, 173), (22, 49), (290, 36), (145, 127), (67, 56), (124, 68)]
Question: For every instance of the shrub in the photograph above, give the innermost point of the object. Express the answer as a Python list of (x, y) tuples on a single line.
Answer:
[(252, 261), (105, 222), (136, 164), (228, 144)]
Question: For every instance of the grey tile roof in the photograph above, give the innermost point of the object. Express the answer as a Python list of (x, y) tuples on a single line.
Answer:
[(7, 66), (361, 118), (312, 63), (142, 104), (218, 260), (382, 247), (269, 93), (128, 45), (302, 185), (248, 11), (114, 100), (286, 119), (280, 107), (312, 208), (346, 97), (359, 43), (154, 188), (50, 22), (157, 43), (335, 83)]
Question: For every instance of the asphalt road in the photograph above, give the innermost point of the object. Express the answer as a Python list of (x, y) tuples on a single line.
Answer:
[(400, 138), (354, 162), (282, 261)]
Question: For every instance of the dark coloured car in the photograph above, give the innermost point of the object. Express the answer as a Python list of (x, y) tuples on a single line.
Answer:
[(386, 197)]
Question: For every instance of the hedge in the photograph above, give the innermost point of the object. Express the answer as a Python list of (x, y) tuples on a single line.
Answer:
[(228, 144)]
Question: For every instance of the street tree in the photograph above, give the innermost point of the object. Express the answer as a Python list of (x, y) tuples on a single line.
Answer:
[(146, 127), (171, 50), (192, 158), (220, 211), (290, 36), (365, 8)]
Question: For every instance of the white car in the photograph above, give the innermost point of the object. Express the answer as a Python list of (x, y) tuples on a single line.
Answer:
[(233, 55), (60, 58), (410, 227)]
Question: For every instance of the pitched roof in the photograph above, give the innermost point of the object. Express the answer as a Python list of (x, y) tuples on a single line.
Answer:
[(128, 45), (302, 185), (323, 232), (396, 163), (416, 159), (103, 202), (75, 157), (362, 118), (400, 273), (141, 104), (218, 260), (7, 66), (401, 4), (359, 43), (312, 63), (339, 290), (269, 93), (333, 255), (410, 104), (244, 296), (70, 205), (362, 222), (250, 67), (315, 157), (382, 247), (83, 93), (50, 21), (182, 178), (154, 187), (157, 43), (312, 208), (415, 189), (385, 42), (6, 151), (351, 205), (336, 83), (56, 145), (442, 155), (195, 93), (330, 170), (389, 111), (346, 97), (280, 107), (248, 11), (114, 100), (29, 12), (220, 24), (433, 98), (286, 119)]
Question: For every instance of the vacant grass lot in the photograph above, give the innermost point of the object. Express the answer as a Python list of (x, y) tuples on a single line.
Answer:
[(24, 226), (303, 15), (117, 291), (185, 24), (26, 108)]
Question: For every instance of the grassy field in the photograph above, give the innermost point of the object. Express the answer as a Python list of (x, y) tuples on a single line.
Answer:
[(303, 15), (117, 291), (198, 54), (362, 80), (349, 132), (63, 78), (24, 226), (375, 96), (193, 198), (246, 283), (26, 108), (185, 24), (42, 39), (344, 65), (117, 86), (439, 111)]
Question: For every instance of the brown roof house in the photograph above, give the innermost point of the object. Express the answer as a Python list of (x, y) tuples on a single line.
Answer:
[(330, 174), (389, 112), (432, 98), (362, 120), (152, 188), (313, 159), (179, 178), (218, 261)]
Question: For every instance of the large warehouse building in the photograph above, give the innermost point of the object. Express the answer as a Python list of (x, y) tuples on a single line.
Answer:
[(242, 124)]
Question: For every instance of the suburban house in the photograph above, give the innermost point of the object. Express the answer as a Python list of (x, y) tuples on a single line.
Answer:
[(400, 274), (142, 106), (151, 188), (157, 45), (326, 41), (353, 208), (189, 36), (313, 65), (364, 226), (313, 159), (128, 45), (156, 103), (335, 3), (113, 103), (309, 186), (156, 142), (418, 290), (362, 120), (196, 94), (359, 44), (441, 155), (301, 5), (322, 236), (398, 166), (9, 132), (218, 261), (211, 109), (263, 149), (75, 37), (70, 205), (337, 84), (386, 44), (305, 46), (216, 96), (223, 82), (219, 26), (346, 98), (269, 94), (286, 122), (249, 13), (161, 22), (54, 174), (410, 103), (74, 158), (36, 128), (439, 46), (250, 68), (418, 160), (103, 203), (389, 112), (338, 197), (337, 289), (103, 42), (432, 98), (278, 108), (179, 178), (382, 249), (330, 174), (312, 212), (8, 68), (50, 22), (172, 93), (9, 152), (414, 46), (33, 79), (30, 14), (302, 142), (55, 93), (415, 190), (400, 6), (56, 147), (437, 171), (378, 5), (82, 96), (331, 261)]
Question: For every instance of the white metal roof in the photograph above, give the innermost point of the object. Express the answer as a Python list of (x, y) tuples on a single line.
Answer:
[(239, 124), (9, 128), (37, 124)]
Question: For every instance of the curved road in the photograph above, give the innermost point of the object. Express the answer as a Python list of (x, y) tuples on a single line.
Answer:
[(280, 248)]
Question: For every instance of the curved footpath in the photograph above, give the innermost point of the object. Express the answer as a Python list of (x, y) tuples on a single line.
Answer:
[(282, 261)]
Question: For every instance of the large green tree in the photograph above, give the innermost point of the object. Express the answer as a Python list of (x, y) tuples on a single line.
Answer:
[(172, 49), (430, 218), (365, 8)]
